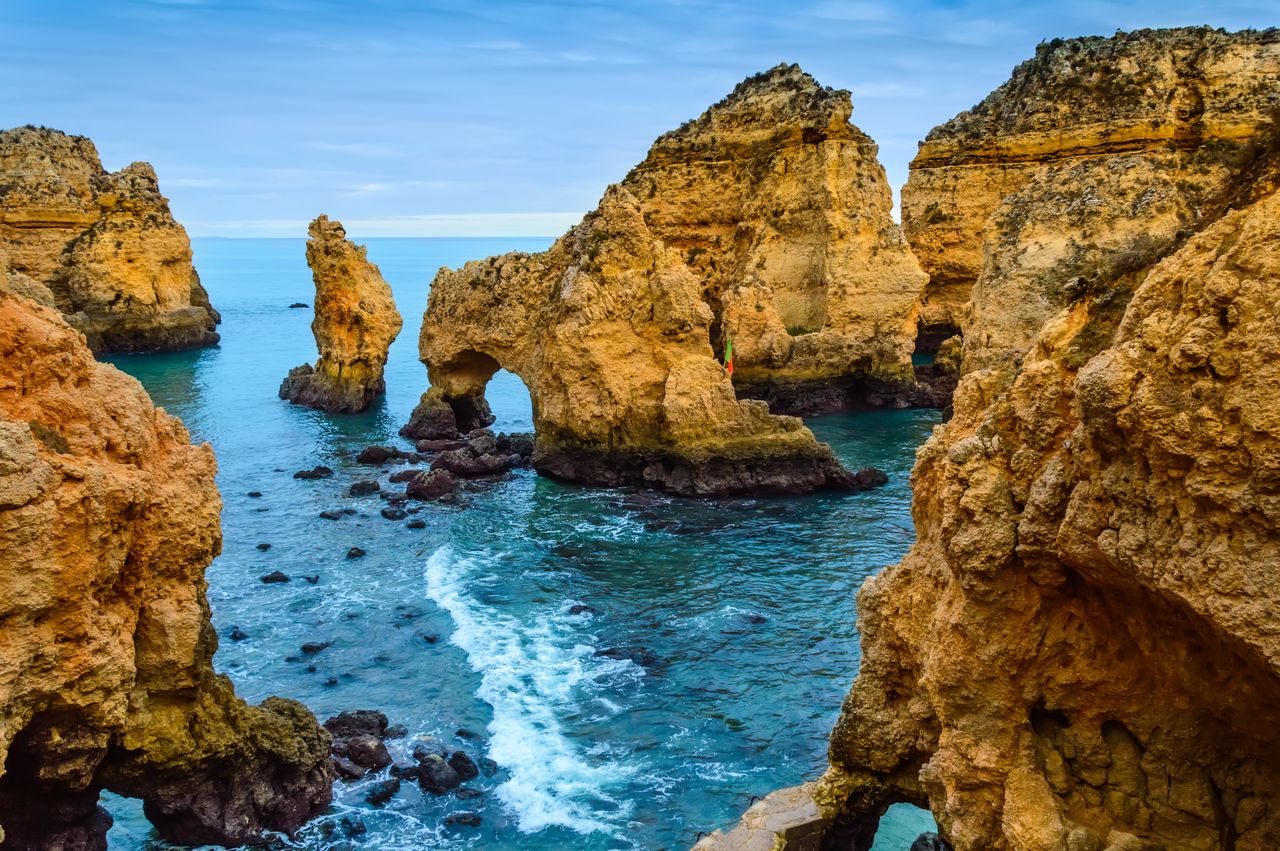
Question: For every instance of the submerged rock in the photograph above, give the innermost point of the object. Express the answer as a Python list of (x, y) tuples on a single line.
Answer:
[(102, 248), (274, 576), (318, 472), (382, 791), (355, 322), (111, 683)]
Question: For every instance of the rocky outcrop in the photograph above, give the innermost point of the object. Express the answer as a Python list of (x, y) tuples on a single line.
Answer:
[(1082, 650), (355, 323), (610, 334), (108, 519), (103, 245), (1094, 159), (765, 223)]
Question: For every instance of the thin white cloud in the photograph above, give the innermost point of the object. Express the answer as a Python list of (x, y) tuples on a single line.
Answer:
[(863, 12), (436, 224)]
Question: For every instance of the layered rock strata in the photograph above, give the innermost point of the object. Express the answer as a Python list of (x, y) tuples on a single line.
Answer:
[(1095, 157), (108, 519), (103, 245), (355, 323), (1082, 650)]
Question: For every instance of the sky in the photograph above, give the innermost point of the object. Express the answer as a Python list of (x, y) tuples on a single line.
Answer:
[(490, 118)]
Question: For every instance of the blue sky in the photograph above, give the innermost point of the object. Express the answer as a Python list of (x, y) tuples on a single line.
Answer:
[(486, 118)]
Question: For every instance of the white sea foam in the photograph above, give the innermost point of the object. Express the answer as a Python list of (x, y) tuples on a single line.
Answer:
[(531, 672)]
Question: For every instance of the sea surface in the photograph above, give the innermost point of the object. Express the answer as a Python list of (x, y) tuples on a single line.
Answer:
[(637, 666)]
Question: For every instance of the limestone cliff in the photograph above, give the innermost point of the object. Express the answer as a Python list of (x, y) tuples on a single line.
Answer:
[(1098, 154), (1082, 650), (780, 209), (108, 519), (610, 334), (355, 323), (103, 244)]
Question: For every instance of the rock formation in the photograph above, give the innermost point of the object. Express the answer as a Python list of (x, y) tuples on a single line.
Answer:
[(610, 334), (765, 222), (108, 519), (1097, 153), (1082, 650), (355, 323), (104, 245)]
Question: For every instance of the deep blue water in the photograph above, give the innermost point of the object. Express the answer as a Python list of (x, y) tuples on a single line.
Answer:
[(740, 612)]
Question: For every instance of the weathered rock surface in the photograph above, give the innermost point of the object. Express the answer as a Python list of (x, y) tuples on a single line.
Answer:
[(355, 323), (765, 221), (108, 519), (1091, 161), (610, 334), (1082, 650), (101, 247)]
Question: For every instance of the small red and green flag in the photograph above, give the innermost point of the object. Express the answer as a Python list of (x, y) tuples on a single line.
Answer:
[(728, 356)]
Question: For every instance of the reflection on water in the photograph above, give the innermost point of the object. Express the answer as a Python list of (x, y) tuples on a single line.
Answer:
[(639, 666)]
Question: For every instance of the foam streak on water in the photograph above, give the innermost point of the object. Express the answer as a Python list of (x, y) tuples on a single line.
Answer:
[(530, 674)]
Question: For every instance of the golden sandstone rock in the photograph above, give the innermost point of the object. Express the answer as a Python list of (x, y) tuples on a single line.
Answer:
[(766, 221), (1082, 650), (108, 519), (103, 245), (355, 323)]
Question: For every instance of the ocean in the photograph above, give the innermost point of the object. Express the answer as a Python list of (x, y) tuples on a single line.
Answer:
[(638, 666)]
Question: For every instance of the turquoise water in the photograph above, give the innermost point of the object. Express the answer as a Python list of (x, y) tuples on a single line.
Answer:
[(730, 625)]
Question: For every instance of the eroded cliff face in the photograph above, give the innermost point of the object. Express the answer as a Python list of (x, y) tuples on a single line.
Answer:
[(610, 334), (104, 245), (355, 323), (108, 519), (1082, 650), (779, 207), (1098, 155)]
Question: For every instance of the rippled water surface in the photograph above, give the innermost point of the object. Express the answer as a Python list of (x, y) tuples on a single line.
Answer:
[(638, 666)]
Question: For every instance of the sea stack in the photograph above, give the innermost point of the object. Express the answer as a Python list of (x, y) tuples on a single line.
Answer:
[(765, 224), (108, 519), (103, 245), (355, 323), (1082, 650)]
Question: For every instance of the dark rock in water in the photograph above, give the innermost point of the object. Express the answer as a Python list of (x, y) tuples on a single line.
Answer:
[(364, 487), (311, 669), (237, 634), (355, 552), (520, 443), (465, 818), (264, 547), (354, 826), (320, 472), (364, 750), (346, 768), (330, 515), (465, 794), (488, 766), (464, 733), (930, 842), (402, 476), (430, 638), (355, 722), (405, 770), (254, 494), (382, 791), (431, 485), (311, 648), (274, 577), (637, 655), (437, 776), (313, 579), (464, 765), (433, 419), (379, 454), (397, 731), (397, 498), (332, 681), (468, 465), (416, 524), (582, 609), (438, 445), (348, 511), (394, 513), (297, 304), (482, 442), (870, 477), (752, 618)]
